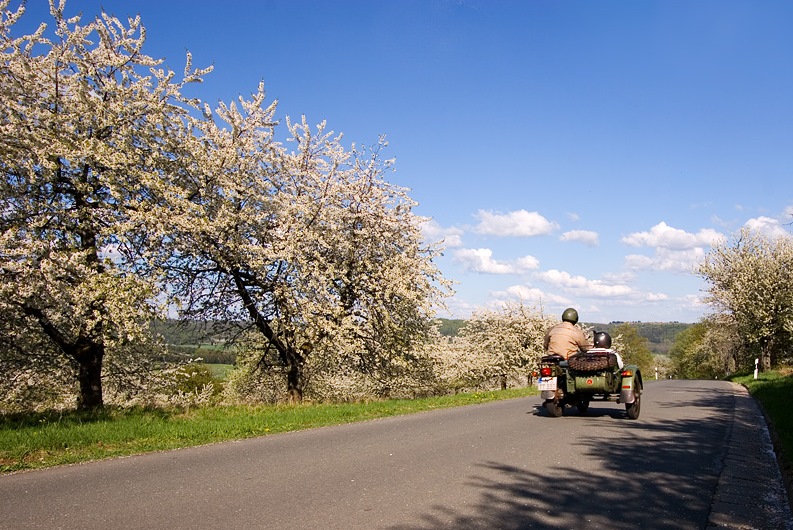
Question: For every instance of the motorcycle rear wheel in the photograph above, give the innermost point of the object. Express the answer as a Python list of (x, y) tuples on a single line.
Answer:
[(554, 409), (633, 409)]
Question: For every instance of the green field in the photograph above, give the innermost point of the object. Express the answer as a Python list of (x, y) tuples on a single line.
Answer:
[(220, 370)]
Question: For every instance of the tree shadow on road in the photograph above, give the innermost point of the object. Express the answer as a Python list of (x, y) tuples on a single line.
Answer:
[(651, 474)]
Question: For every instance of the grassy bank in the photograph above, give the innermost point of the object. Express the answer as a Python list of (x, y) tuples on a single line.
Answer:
[(44, 440), (774, 391)]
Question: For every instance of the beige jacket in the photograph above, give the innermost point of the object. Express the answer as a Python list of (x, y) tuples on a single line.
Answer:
[(565, 339)]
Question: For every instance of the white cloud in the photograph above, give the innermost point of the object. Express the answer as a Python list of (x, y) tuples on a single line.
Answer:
[(582, 287), (530, 295), (771, 228), (519, 223), (655, 297), (666, 260), (638, 262), (456, 307), (619, 277), (481, 260), (665, 236), (693, 302), (432, 232), (586, 237)]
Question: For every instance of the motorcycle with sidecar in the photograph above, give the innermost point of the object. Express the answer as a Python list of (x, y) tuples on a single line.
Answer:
[(584, 376)]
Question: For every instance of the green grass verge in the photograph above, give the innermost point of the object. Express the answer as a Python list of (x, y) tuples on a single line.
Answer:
[(774, 391), (45, 440), (221, 371)]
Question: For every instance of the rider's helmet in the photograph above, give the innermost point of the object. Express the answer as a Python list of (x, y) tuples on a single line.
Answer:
[(570, 315), (602, 340)]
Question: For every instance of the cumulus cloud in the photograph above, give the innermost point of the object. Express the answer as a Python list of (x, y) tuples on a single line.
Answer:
[(770, 228), (638, 262), (519, 223), (586, 237), (481, 260), (666, 260), (583, 287), (693, 302), (432, 231), (665, 236), (531, 294)]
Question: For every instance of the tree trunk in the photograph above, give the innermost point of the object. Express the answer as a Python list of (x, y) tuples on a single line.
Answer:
[(89, 375), (766, 360), (289, 356), (294, 378), (503, 380), (88, 354)]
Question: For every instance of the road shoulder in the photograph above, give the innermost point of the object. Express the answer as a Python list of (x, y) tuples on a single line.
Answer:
[(751, 491)]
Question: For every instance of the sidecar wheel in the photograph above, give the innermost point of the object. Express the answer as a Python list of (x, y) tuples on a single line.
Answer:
[(633, 409), (554, 409)]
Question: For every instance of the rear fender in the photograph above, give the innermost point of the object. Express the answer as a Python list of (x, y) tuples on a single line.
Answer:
[(630, 385)]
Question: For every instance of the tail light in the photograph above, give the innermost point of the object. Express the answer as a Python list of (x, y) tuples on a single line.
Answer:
[(627, 373), (545, 371)]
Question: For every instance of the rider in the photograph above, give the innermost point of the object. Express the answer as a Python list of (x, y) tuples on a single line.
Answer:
[(566, 338), (603, 345)]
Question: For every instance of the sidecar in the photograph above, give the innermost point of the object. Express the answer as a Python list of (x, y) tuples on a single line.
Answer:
[(586, 376)]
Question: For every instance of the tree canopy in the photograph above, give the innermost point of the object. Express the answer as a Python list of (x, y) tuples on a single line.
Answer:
[(90, 125), (121, 198), (750, 283)]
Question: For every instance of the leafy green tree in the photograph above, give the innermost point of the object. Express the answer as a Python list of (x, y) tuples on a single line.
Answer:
[(749, 280), (686, 353), (633, 347), (708, 349)]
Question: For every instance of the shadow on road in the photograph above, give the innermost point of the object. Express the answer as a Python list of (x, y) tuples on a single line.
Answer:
[(652, 474)]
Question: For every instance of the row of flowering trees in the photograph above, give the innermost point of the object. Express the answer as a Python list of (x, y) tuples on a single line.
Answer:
[(122, 200), (122, 197)]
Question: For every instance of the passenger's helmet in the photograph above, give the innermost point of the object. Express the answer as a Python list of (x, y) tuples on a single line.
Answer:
[(570, 315), (602, 340)]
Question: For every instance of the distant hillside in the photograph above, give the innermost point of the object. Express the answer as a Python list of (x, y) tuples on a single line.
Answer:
[(450, 327), (660, 335), (207, 340), (191, 338)]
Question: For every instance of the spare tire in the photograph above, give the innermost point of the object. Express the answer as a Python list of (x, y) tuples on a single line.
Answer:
[(592, 362)]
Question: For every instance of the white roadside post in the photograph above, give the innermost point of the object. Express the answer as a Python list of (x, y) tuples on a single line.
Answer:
[(756, 362)]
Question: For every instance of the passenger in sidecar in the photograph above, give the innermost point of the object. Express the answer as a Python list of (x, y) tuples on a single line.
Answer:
[(603, 347)]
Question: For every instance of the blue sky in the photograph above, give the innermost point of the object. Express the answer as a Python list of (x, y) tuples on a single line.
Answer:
[(571, 153)]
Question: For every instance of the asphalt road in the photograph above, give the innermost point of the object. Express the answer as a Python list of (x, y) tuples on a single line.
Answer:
[(500, 465)]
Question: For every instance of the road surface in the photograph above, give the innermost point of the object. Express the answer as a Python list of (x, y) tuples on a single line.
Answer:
[(681, 465)]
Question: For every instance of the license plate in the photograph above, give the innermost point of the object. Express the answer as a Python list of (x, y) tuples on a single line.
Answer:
[(546, 383)]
